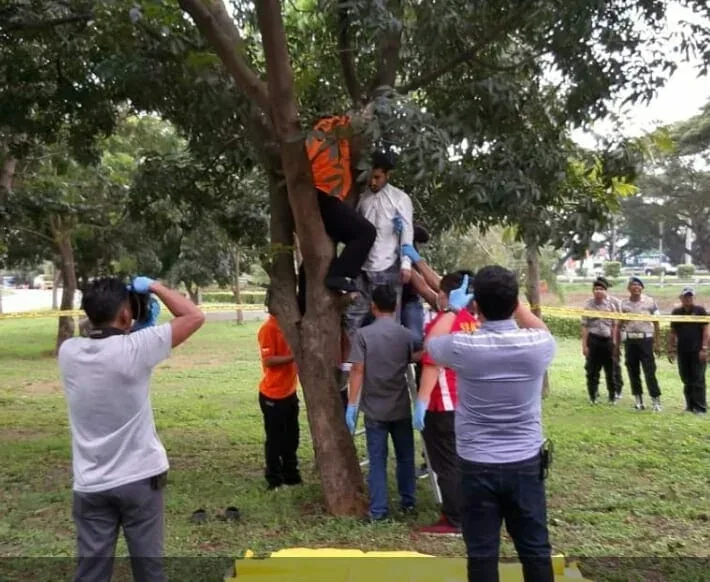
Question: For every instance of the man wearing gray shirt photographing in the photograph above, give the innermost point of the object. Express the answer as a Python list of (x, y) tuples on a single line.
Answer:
[(502, 454), (119, 464)]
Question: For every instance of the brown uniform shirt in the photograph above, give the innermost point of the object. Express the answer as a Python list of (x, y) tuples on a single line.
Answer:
[(644, 306), (598, 325)]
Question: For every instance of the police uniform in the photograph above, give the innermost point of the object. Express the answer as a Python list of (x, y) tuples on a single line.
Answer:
[(638, 339), (616, 361), (600, 345)]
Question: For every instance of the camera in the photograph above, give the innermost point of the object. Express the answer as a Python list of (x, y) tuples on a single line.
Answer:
[(140, 306)]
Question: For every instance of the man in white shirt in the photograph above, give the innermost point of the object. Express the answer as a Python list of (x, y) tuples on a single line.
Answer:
[(389, 209), (119, 464)]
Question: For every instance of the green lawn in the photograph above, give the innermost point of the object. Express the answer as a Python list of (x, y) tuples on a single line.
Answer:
[(623, 484)]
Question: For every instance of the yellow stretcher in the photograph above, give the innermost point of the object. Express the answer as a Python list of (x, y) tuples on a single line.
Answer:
[(337, 565)]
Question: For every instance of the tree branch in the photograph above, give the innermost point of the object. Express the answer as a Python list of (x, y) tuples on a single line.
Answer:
[(390, 44), (347, 53), (517, 16), (44, 24), (213, 20)]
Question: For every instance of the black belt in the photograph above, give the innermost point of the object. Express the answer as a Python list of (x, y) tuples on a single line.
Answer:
[(601, 337)]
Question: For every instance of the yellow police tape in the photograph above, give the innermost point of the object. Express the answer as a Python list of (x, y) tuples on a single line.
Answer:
[(51, 314), (567, 312)]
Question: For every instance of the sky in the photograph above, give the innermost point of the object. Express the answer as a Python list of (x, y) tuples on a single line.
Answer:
[(682, 96)]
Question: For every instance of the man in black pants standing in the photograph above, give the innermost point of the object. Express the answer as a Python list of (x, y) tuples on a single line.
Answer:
[(641, 340), (598, 336), (689, 342)]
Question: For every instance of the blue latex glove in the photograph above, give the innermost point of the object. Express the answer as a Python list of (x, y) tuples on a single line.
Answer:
[(419, 414), (350, 414), (398, 224), (142, 284), (459, 298), (410, 252), (152, 318)]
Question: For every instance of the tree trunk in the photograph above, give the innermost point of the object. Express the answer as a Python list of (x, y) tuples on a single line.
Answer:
[(532, 284), (315, 338), (236, 289), (56, 278), (2, 289), (194, 293), (7, 172), (62, 237)]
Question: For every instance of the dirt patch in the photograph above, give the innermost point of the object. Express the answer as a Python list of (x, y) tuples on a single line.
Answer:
[(22, 433), (42, 388)]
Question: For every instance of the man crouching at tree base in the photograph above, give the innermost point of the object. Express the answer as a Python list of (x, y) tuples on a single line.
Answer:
[(380, 355), (279, 405), (502, 454), (437, 400), (119, 464)]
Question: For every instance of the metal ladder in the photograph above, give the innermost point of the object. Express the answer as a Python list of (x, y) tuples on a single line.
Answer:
[(412, 386)]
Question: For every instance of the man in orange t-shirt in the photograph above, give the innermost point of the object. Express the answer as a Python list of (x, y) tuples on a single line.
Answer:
[(279, 405)]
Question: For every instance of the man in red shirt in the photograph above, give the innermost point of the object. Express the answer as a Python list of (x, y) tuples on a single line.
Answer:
[(434, 414)]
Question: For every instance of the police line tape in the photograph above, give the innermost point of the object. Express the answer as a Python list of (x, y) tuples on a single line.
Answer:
[(53, 314), (566, 312)]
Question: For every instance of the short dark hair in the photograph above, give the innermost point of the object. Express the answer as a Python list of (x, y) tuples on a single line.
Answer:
[(102, 299), (383, 161), (452, 281), (497, 292), (385, 298)]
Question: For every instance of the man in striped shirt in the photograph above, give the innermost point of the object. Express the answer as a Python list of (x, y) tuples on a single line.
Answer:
[(499, 440), (434, 415)]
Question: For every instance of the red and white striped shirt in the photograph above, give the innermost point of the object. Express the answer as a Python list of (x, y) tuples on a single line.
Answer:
[(444, 397)]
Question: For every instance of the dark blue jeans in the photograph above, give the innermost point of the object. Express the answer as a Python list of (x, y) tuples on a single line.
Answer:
[(377, 434), (413, 318), (514, 492)]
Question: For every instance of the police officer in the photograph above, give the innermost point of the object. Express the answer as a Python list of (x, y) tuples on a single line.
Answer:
[(641, 340), (689, 342), (598, 337)]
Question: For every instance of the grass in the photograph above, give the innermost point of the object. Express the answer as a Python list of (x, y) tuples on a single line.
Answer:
[(623, 484)]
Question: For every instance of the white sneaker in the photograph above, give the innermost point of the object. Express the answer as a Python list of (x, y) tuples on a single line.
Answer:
[(657, 405), (639, 403)]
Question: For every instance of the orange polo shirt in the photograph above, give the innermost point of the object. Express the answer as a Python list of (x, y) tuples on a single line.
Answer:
[(330, 159), (278, 381)]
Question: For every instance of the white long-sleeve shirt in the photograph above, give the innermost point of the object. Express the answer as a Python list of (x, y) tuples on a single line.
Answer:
[(380, 208)]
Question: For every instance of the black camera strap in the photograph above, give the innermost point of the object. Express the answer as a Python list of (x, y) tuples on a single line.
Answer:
[(105, 332)]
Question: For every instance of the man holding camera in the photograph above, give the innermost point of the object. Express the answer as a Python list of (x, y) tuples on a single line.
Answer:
[(503, 459), (119, 464)]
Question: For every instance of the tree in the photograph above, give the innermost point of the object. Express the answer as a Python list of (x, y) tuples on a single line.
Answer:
[(477, 107)]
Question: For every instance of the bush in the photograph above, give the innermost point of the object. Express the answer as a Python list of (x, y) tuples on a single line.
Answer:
[(686, 271), (612, 269), (248, 297)]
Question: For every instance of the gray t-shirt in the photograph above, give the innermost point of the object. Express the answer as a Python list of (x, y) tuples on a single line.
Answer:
[(107, 389), (499, 371), (386, 348)]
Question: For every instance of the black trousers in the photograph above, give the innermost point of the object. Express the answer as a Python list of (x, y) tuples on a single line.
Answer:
[(639, 355), (440, 440), (600, 357), (282, 435), (343, 224), (692, 374), (618, 377)]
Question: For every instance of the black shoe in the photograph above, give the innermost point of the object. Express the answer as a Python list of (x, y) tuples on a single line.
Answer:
[(273, 486), (295, 481), (341, 284), (408, 509)]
